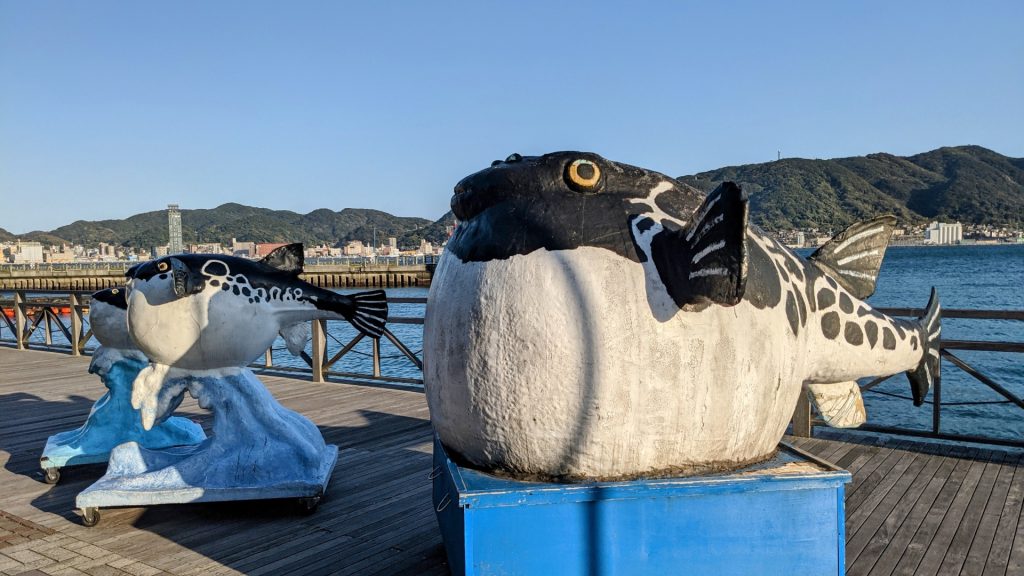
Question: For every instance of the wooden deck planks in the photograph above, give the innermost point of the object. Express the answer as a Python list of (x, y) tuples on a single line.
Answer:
[(912, 507)]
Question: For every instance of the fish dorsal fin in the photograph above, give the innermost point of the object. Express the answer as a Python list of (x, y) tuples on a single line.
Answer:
[(288, 258), (854, 256), (295, 337), (707, 260)]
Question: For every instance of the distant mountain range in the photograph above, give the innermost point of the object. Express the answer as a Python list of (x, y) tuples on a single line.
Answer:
[(247, 223), (966, 183)]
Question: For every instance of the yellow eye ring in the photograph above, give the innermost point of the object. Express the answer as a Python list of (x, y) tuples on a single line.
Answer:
[(114, 291), (162, 266), (583, 175)]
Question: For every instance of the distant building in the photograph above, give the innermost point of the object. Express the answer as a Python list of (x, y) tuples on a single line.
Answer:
[(159, 251), (354, 248), (243, 249), (174, 245), (264, 248), (27, 253), (942, 233)]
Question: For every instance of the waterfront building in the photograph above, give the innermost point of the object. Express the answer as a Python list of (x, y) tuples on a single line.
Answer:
[(264, 248), (943, 233), (174, 229), (27, 253)]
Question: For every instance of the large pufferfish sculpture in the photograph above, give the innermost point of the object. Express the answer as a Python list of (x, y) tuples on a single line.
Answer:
[(591, 319)]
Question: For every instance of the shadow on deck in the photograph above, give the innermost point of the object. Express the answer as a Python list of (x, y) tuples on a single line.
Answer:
[(912, 508)]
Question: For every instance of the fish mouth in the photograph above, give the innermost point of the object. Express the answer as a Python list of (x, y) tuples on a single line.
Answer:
[(478, 192)]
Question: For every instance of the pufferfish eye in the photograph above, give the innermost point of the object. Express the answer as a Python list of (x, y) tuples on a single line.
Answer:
[(162, 266), (583, 175)]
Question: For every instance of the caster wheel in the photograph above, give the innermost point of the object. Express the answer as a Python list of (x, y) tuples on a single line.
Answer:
[(90, 516), (51, 475), (309, 505)]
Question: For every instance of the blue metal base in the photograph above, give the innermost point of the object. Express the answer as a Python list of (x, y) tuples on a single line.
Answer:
[(784, 516), (113, 421)]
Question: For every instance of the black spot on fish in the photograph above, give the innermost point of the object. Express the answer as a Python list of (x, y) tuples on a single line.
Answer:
[(250, 300), (225, 287), (863, 311), (831, 282), (826, 298), (163, 276), (791, 313), (913, 342), (215, 283), (235, 290), (765, 291), (871, 330), (644, 225), (888, 339), (803, 307), (830, 325), (845, 304), (794, 269), (782, 272), (246, 291), (853, 334), (215, 268), (900, 331)]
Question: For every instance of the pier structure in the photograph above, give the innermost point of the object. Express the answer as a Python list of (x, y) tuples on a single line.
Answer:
[(916, 505), (89, 276)]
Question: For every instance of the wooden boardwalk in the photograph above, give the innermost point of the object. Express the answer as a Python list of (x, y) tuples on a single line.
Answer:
[(912, 508)]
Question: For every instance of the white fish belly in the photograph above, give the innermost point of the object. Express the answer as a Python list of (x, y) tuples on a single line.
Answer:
[(552, 363), (206, 331)]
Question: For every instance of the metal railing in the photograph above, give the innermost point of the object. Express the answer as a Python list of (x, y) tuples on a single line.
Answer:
[(804, 422), (121, 266), (24, 313)]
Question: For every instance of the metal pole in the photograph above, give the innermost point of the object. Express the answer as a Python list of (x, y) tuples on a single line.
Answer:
[(19, 319), (76, 324), (376, 357), (319, 349), (803, 425)]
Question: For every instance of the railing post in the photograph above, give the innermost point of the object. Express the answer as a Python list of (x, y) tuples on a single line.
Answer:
[(19, 319), (937, 403), (802, 423), (376, 357), (47, 319), (76, 325), (268, 357), (319, 349)]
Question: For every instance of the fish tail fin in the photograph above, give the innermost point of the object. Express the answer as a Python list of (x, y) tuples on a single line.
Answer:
[(367, 311), (927, 372)]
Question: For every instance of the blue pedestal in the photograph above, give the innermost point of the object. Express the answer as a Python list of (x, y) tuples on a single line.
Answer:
[(784, 516)]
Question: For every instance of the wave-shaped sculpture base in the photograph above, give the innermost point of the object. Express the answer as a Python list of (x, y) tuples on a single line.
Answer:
[(113, 421), (258, 450)]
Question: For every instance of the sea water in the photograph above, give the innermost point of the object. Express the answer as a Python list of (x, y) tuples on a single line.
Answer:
[(966, 277)]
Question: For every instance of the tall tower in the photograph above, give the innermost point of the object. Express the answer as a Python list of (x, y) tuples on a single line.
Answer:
[(174, 229)]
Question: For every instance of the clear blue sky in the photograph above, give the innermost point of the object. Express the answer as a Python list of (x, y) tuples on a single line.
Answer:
[(112, 108)]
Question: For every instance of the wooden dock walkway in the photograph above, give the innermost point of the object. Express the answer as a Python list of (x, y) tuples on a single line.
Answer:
[(912, 508)]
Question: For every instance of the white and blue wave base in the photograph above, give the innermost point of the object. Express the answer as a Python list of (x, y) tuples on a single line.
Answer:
[(258, 450), (113, 421)]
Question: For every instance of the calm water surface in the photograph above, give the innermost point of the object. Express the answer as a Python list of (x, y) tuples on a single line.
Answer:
[(973, 277)]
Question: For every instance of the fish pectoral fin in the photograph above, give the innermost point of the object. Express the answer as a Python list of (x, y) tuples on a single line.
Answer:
[(854, 256), (706, 261), (288, 258), (186, 280), (840, 404), (295, 337)]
